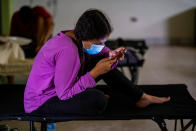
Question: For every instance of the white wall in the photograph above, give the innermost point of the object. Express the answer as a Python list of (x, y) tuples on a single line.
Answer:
[(152, 15)]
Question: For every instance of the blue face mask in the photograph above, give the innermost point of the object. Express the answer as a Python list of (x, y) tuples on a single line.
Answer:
[(95, 49)]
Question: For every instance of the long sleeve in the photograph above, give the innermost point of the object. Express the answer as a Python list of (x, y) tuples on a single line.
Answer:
[(66, 81)]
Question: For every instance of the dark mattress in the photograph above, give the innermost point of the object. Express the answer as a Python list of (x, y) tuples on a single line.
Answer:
[(181, 106)]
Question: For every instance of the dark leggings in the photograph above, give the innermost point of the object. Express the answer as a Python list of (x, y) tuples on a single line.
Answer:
[(93, 100)]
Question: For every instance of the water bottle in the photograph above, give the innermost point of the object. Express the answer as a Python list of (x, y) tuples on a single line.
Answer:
[(51, 126)]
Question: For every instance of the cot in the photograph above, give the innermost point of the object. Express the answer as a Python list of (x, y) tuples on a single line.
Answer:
[(182, 106)]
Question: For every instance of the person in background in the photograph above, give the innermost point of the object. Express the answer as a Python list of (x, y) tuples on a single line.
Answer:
[(34, 23)]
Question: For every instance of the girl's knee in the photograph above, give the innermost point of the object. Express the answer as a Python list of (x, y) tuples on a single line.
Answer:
[(98, 101)]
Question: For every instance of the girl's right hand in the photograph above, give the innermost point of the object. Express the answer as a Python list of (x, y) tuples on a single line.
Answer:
[(102, 67)]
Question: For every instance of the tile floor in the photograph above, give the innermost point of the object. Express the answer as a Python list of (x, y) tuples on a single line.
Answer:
[(164, 65)]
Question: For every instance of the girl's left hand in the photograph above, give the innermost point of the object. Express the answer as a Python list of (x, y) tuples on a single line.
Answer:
[(118, 53)]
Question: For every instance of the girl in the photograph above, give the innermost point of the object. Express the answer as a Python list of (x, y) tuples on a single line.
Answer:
[(64, 74)]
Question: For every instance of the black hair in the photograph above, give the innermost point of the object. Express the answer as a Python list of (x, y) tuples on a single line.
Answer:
[(92, 24), (26, 14)]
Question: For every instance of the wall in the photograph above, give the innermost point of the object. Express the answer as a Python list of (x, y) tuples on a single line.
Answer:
[(6, 14), (152, 16), (181, 27)]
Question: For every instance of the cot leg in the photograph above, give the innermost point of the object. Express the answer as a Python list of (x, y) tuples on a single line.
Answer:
[(175, 126), (32, 127), (161, 123), (43, 126), (192, 122), (134, 74), (193, 127), (182, 123)]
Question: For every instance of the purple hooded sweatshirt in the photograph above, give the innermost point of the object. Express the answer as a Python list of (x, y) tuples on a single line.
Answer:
[(55, 73)]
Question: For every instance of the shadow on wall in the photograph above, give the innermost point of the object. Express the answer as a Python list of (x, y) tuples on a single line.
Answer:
[(182, 28)]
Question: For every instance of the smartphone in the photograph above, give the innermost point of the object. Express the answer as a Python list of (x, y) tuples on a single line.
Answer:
[(117, 55)]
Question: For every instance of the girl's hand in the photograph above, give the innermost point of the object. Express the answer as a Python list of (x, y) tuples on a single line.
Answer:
[(117, 53), (102, 67)]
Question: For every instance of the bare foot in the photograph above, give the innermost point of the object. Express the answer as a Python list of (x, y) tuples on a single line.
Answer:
[(148, 99)]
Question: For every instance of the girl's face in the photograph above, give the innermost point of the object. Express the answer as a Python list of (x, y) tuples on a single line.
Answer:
[(87, 44)]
